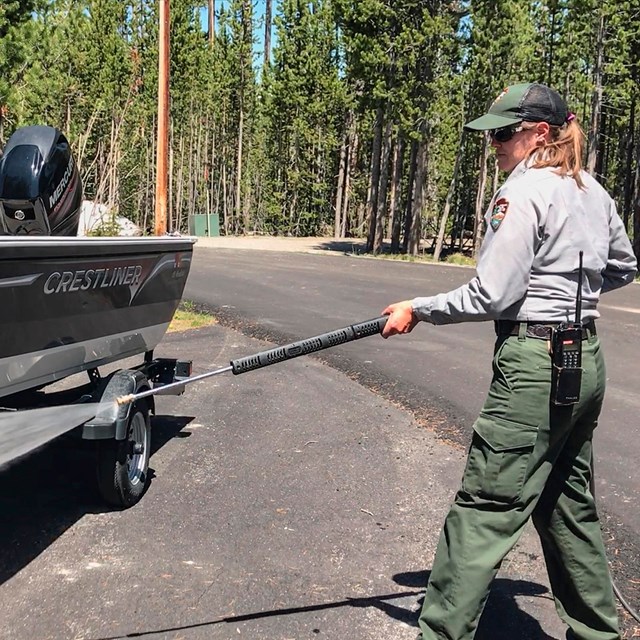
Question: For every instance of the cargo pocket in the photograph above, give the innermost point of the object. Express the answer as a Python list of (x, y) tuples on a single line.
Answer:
[(498, 459)]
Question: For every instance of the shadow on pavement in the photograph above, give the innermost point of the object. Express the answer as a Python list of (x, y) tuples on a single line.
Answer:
[(372, 601), (347, 245), (46, 492), (501, 620)]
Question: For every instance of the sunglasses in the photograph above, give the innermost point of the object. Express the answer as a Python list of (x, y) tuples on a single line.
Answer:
[(504, 134)]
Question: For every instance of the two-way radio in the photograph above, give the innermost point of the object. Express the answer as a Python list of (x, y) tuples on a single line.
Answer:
[(566, 353)]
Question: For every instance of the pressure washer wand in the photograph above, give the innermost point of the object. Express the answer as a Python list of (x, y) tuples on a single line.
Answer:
[(277, 354)]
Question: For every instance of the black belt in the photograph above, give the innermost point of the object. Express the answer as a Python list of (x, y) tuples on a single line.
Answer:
[(540, 330)]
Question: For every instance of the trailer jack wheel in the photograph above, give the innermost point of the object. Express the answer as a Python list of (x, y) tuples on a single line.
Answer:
[(123, 465)]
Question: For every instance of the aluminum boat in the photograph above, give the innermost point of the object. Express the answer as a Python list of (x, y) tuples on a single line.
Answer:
[(69, 304)]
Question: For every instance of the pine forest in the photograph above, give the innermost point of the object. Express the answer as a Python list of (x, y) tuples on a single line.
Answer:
[(338, 118)]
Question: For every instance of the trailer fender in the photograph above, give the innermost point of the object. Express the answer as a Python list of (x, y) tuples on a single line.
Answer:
[(111, 420)]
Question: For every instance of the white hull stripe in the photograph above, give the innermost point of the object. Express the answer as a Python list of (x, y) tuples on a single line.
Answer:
[(19, 281)]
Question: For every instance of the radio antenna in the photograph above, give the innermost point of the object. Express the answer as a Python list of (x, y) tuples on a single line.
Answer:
[(579, 294)]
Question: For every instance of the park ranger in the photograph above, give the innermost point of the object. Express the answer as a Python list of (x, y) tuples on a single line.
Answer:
[(531, 449)]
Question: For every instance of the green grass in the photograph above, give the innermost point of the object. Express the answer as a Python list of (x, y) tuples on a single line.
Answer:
[(454, 258), (461, 259), (187, 316), (403, 257)]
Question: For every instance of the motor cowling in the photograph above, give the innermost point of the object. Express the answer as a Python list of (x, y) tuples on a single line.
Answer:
[(40, 187)]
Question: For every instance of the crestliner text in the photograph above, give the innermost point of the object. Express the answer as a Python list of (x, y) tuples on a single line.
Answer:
[(69, 281)]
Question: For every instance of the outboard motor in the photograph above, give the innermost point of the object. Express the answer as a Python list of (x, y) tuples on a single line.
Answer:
[(40, 188)]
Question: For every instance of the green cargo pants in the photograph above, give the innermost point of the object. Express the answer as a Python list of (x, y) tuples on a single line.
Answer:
[(528, 458)]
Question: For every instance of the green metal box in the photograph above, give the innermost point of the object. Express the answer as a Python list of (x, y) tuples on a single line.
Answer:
[(201, 224)]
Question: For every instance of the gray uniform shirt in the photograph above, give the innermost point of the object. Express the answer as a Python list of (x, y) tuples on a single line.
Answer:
[(528, 264)]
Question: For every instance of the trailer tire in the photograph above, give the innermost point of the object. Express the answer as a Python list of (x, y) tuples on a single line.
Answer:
[(123, 465)]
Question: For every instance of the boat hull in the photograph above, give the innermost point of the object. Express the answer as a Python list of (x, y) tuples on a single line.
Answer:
[(71, 304)]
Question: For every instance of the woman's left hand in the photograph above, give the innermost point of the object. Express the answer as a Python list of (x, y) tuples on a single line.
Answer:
[(401, 318)]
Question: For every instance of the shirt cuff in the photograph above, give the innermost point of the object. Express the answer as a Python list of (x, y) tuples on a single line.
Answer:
[(422, 307)]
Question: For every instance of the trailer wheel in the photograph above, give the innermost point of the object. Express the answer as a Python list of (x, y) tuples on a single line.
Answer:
[(123, 464)]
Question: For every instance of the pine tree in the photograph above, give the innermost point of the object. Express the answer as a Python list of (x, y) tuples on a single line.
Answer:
[(355, 129), (15, 38), (304, 108)]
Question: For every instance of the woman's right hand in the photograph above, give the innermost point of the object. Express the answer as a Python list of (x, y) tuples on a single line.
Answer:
[(401, 318)]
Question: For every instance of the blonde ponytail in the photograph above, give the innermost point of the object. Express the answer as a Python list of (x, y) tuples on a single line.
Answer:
[(564, 151)]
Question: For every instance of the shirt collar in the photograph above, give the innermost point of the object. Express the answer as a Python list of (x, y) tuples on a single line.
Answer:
[(519, 169)]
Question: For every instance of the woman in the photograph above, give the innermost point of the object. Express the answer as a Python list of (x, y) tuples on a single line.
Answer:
[(529, 456)]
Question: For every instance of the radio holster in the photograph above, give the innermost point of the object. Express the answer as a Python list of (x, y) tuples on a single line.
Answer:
[(566, 354), (566, 358)]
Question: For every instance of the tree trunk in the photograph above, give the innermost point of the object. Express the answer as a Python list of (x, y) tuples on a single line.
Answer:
[(395, 220), (460, 215), (223, 177), (225, 209), (596, 99), (179, 190), (381, 209), (374, 180), (190, 170), (636, 205), (200, 203), (238, 203), (206, 168), (111, 165), (628, 174), (67, 119), (496, 175), (344, 168), (151, 172), (478, 230), (267, 33), (418, 198), (211, 184), (245, 61), (352, 159), (605, 151), (447, 203), (552, 36), (342, 176), (360, 211), (141, 204), (408, 215)]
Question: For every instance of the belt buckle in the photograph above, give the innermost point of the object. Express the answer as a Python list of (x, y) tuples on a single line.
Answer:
[(541, 331)]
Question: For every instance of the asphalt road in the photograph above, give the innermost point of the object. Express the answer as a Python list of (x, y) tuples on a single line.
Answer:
[(298, 501), (289, 503), (441, 373)]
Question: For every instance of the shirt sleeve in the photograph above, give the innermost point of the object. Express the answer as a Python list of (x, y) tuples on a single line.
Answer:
[(504, 264), (621, 266)]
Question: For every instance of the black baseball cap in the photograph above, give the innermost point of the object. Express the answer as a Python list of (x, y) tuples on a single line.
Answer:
[(531, 102)]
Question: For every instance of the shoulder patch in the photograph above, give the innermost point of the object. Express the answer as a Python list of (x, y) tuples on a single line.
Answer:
[(498, 213)]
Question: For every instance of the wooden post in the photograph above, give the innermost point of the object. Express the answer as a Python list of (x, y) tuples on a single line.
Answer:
[(163, 120), (212, 22)]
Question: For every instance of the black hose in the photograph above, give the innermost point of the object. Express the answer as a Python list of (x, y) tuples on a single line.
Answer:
[(630, 610)]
